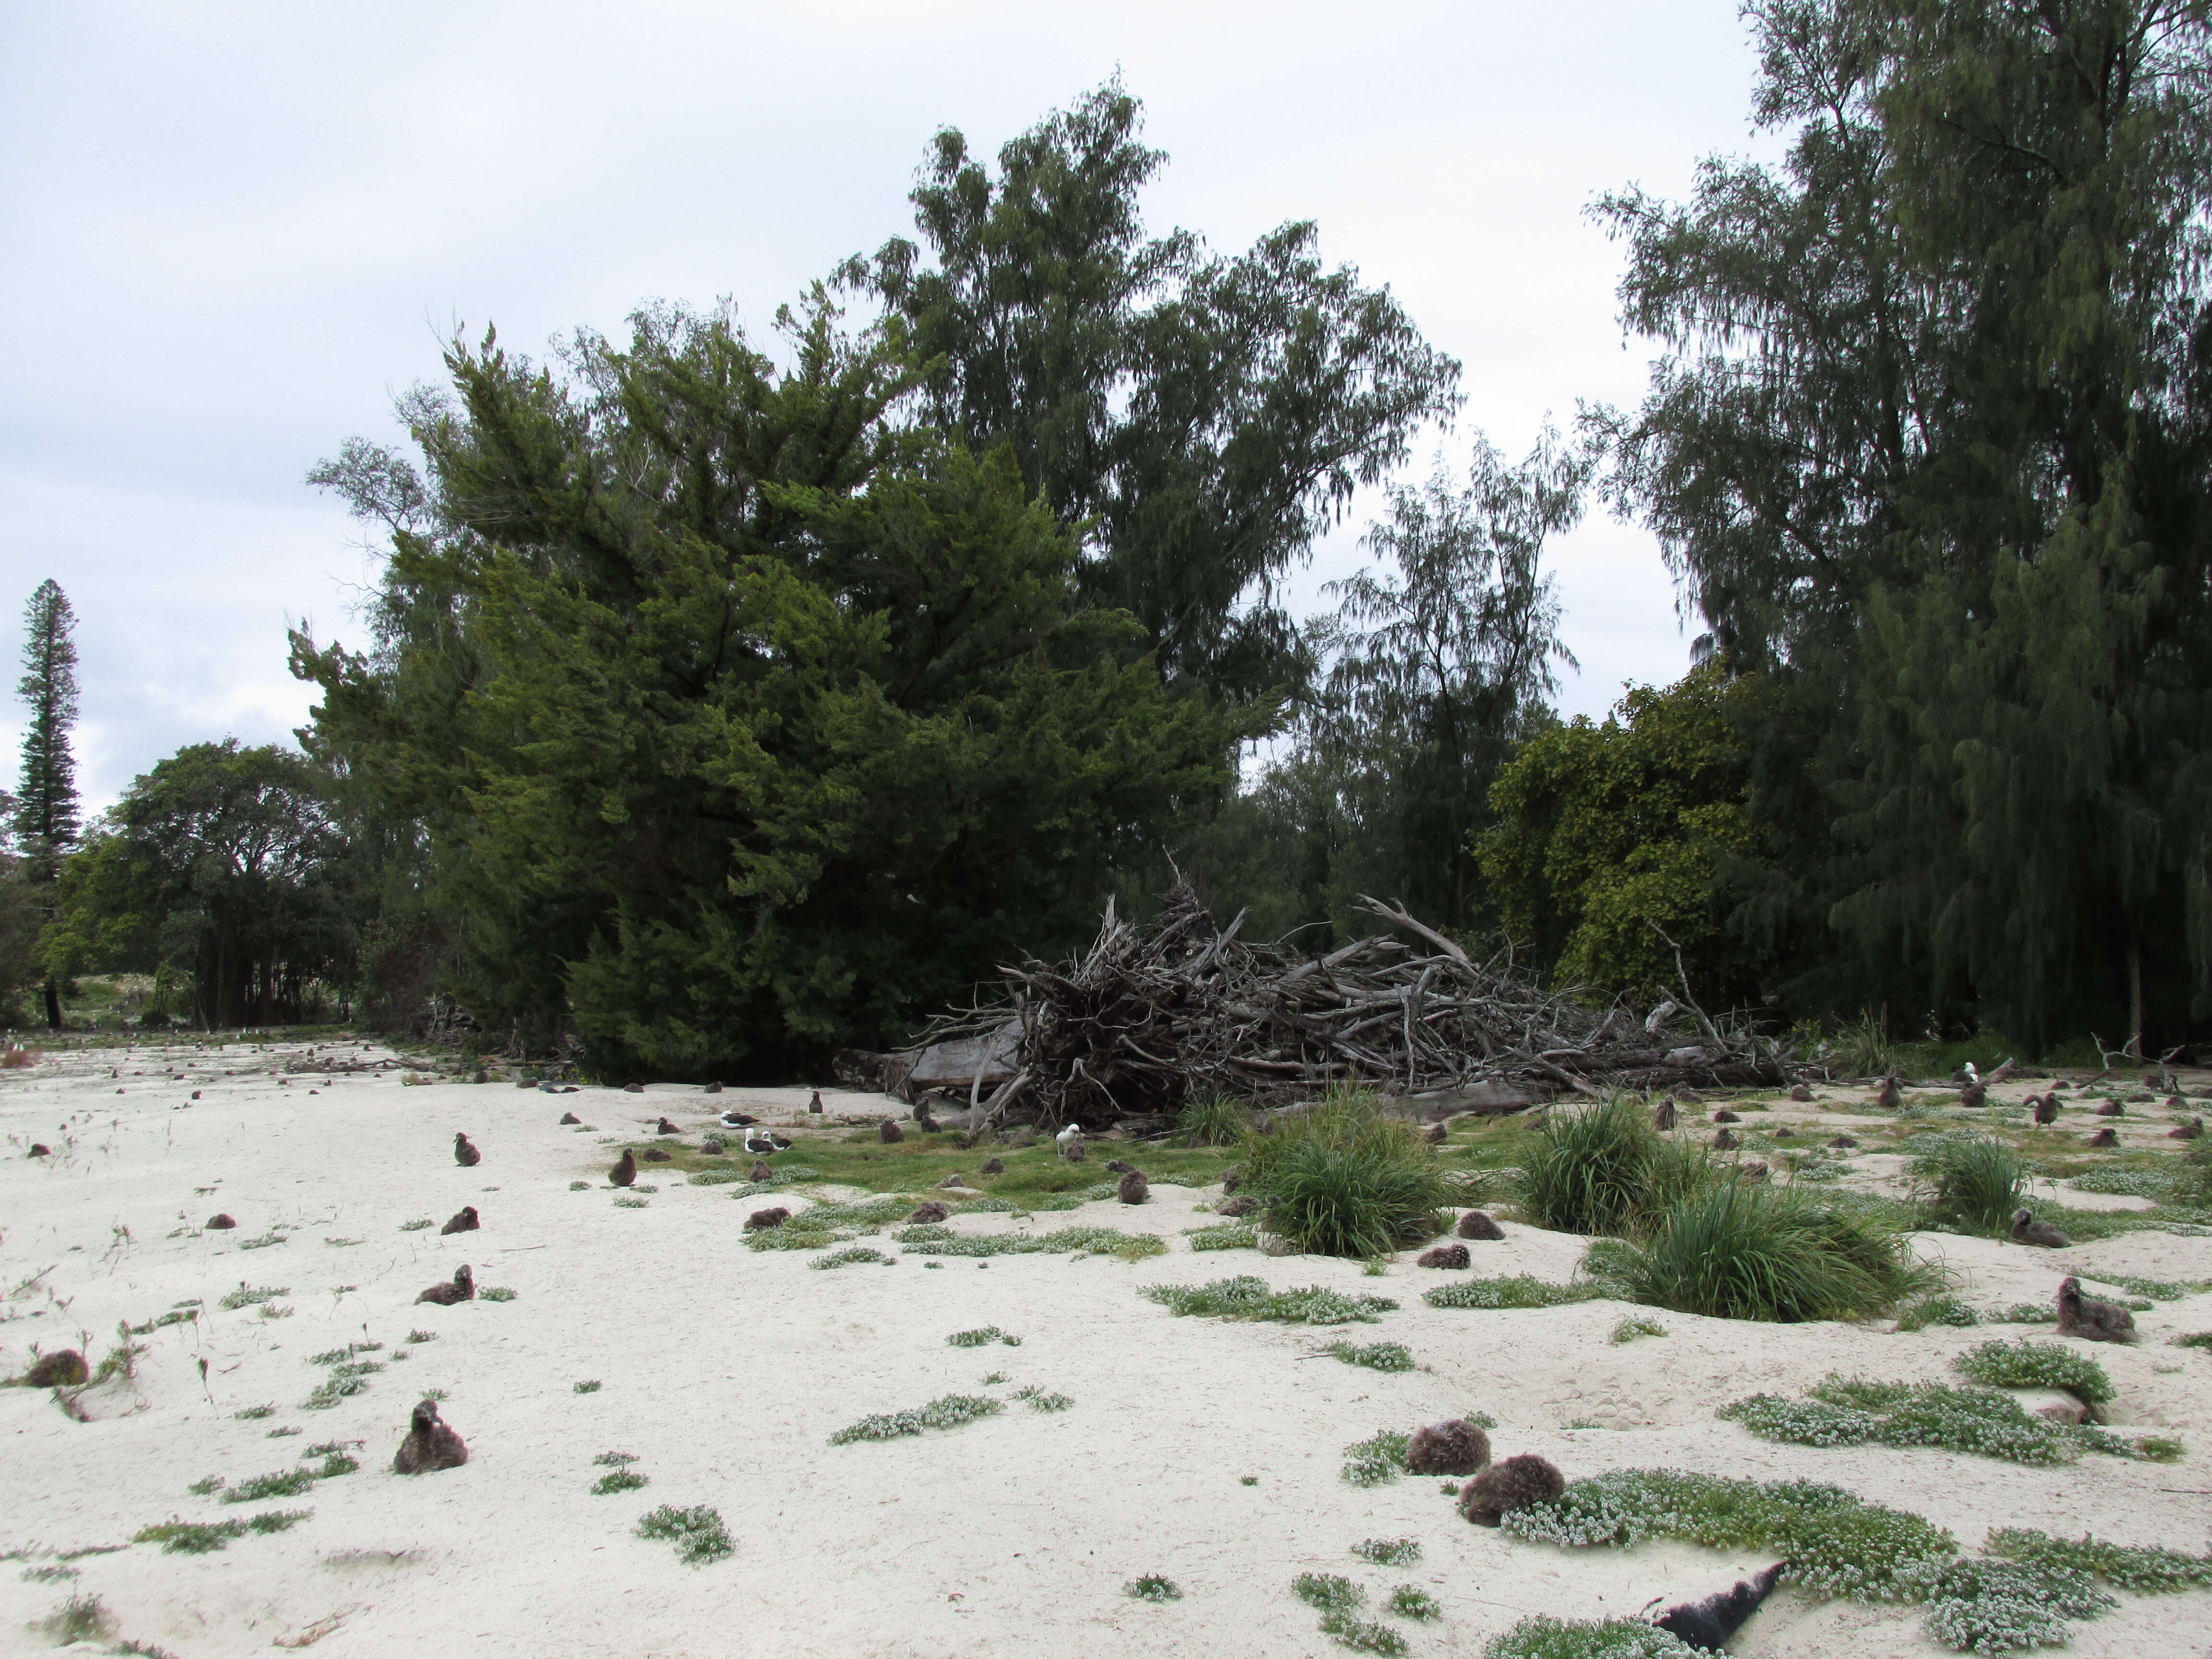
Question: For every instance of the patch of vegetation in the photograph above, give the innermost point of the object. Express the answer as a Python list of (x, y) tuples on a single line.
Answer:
[(496, 1294), (204, 1537), (616, 1480), (1228, 1236), (982, 1338), (243, 1296), (1327, 1592), (1389, 1552), (2130, 1183), (285, 1483), (630, 1201), (80, 1618), (1605, 1170), (1546, 1638), (1040, 1400), (1854, 1412), (1215, 1120), (419, 1337), (589, 1387), (1248, 1297), (697, 1532), (1342, 1179), (1152, 1588), (330, 1392), (1410, 1601), (1521, 1291), (2026, 1364), (1629, 1329), (854, 1255), (1375, 1356), (1092, 1241), (262, 1242), (252, 1414), (1936, 1311), (181, 1316), (1971, 1182), (1376, 1460), (949, 1411), (1743, 1252), (2143, 1570)]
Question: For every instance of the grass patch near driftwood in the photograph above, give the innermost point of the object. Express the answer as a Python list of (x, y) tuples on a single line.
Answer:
[(1972, 1183), (1605, 1170), (1342, 1179)]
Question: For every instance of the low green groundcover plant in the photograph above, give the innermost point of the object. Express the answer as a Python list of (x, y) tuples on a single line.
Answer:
[(1854, 1412), (1521, 1291), (2026, 1364), (697, 1532), (1389, 1552), (1152, 1588), (981, 1337), (1376, 1460), (2022, 1595), (1248, 1297), (1092, 1241), (1375, 1356), (204, 1537), (854, 1255), (1229, 1236), (1546, 1638), (949, 1411)]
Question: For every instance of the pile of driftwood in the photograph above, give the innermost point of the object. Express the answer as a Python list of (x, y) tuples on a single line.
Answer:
[(1175, 1009)]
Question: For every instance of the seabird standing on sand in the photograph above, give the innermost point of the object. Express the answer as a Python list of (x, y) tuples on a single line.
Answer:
[(814, 1101), (465, 1154), (625, 1170), (1070, 1141)]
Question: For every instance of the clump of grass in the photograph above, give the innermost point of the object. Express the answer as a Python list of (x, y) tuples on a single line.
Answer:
[(1546, 1638), (697, 1532), (262, 1242), (614, 1459), (1342, 1179), (2194, 1340), (1376, 1460), (204, 1537), (1936, 1311), (854, 1255), (628, 1201), (252, 1414), (1152, 1588), (1214, 1120), (50, 1575), (1328, 1592), (1375, 1356), (1337, 1600), (1521, 1291), (616, 1480), (1603, 1170), (2026, 1364), (1971, 1182), (1389, 1552), (949, 1411), (1629, 1329), (1854, 1412), (417, 1225), (981, 1337), (1410, 1601), (285, 1483), (1742, 1252), (422, 1336), (1042, 1399), (1248, 1297), (80, 1618), (1229, 1236), (246, 1296), (496, 1294), (202, 1488)]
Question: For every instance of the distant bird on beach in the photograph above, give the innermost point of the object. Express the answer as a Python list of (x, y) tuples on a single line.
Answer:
[(1477, 1223), (1069, 1140), (993, 1166), (569, 1117), (463, 1222), (955, 1179), (889, 1131), (665, 1128), (1802, 1093), (923, 1120), (2094, 1321), (927, 1213), (2106, 1138), (2110, 1109), (1663, 1115), (1438, 1134), (219, 1223), (2047, 1110), (2176, 1104), (762, 1144), (1119, 1166), (625, 1170), (712, 1089), (1706, 1625), (462, 1289), (1442, 1256), (1454, 1447), (1725, 1141), (430, 1443), (633, 1088), (814, 1101), (1238, 1206), (761, 1220), (465, 1153), (1513, 1484), (39, 1149), (2189, 1131), (1724, 1115), (653, 1155), (1134, 1188), (736, 1121), (1843, 1143), (2026, 1230), (1974, 1094), (1891, 1097), (761, 1172)]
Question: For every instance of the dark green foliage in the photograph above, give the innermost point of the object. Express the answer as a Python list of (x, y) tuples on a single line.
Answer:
[(2142, 1570), (1216, 1120), (1342, 1179), (1152, 1588), (2026, 1365), (1972, 1181), (1744, 1252), (46, 807), (1604, 1170)]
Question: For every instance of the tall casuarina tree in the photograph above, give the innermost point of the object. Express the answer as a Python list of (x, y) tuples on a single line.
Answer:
[(46, 812)]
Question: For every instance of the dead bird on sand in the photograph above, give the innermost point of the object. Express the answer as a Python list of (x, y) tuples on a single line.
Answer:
[(430, 1443), (463, 1288), (464, 1222)]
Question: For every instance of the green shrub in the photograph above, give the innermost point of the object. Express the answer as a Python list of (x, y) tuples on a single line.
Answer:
[(1230, 1236), (1342, 1179), (1215, 1120), (697, 1532), (1521, 1291), (2026, 1364), (1152, 1588), (2146, 1572), (1327, 1592), (1389, 1552), (1376, 1460), (1247, 1298), (949, 1411), (1743, 1252), (1604, 1170), (1546, 1638), (1629, 1329), (1972, 1181), (1936, 1311), (617, 1480), (1410, 1601), (1375, 1356)]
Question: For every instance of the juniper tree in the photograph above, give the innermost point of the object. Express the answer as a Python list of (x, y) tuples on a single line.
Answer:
[(45, 820)]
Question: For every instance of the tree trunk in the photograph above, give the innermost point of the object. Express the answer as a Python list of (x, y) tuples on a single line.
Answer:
[(53, 1005), (2135, 997)]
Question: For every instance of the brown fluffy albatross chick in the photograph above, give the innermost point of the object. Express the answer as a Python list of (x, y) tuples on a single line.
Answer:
[(465, 1154), (2105, 1138), (462, 1289), (1454, 1447), (890, 1133), (1477, 1223), (2046, 1108), (465, 1221), (1134, 1188), (430, 1444), (2189, 1131), (625, 1170), (1891, 1097), (1513, 1484), (2091, 1320), (1663, 1115), (2026, 1230), (1442, 1256)]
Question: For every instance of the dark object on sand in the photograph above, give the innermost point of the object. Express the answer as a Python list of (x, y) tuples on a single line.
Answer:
[(1513, 1484), (2091, 1320), (761, 1172), (1664, 1117), (63, 1369), (219, 1222), (1706, 1625), (993, 1166), (761, 1220), (625, 1170), (928, 1214), (567, 1118), (665, 1128), (464, 1222), (2106, 1138), (1454, 1447), (1477, 1223), (465, 1154), (890, 1133), (1724, 1115), (463, 1288), (1134, 1188), (2026, 1230), (1442, 1256), (1241, 1204), (1725, 1141), (430, 1443), (633, 1088)]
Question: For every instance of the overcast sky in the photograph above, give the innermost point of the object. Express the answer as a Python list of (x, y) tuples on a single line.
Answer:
[(230, 234)]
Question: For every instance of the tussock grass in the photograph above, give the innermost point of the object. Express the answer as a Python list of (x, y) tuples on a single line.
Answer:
[(1215, 1120), (1742, 1252), (1605, 1170), (1520, 1291), (697, 1532), (1971, 1182), (1342, 1179), (949, 1411), (1248, 1297)]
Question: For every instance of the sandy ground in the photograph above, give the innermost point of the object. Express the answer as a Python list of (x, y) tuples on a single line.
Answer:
[(725, 1372)]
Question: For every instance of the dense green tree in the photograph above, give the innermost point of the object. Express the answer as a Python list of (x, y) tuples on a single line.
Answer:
[(1931, 442), (1197, 418), (740, 719), (223, 867), (45, 816)]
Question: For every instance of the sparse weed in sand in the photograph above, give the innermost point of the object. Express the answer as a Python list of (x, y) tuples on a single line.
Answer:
[(275, 1310), (2026, 1364), (419, 1337), (982, 1338), (1546, 1638), (1040, 1400), (2194, 1340), (1327, 1592), (329, 1392), (1936, 1311), (616, 1480), (577, 1186), (285, 1483), (614, 1459), (204, 1537), (1091, 1241), (1377, 1461), (253, 1412), (1376, 1355), (697, 1532), (591, 1386), (949, 1411), (854, 1256), (1629, 1329), (1339, 1600), (53, 1575), (924, 1232), (203, 1487), (339, 1356), (1152, 1588), (246, 1296), (625, 1201), (1229, 1236), (496, 1294), (994, 1379), (1389, 1552), (262, 1242), (1248, 1297), (1410, 1601), (80, 1618)]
